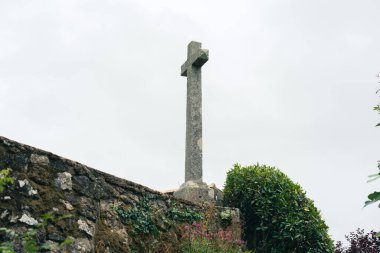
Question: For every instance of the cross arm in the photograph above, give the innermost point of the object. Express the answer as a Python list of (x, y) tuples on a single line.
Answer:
[(197, 59)]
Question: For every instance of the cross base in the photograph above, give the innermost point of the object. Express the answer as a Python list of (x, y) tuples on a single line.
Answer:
[(199, 192)]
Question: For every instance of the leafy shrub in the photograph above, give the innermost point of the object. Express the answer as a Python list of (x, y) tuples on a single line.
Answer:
[(277, 214), (360, 242)]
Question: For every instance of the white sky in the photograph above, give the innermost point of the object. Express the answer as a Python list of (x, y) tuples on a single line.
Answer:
[(289, 83)]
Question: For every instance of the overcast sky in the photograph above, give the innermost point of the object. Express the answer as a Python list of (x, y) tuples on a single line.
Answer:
[(289, 84)]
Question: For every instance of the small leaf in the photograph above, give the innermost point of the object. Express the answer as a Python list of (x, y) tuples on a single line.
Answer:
[(373, 197)]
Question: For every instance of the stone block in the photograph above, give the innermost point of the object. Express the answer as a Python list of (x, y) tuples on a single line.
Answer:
[(198, 192)]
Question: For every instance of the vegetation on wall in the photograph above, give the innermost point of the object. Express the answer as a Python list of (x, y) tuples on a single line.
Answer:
[(218, 231), (143, 218), (140, 217), (278, 216), (5, 179), (59, 205), (29, 239), (199, 238), (179, 228)]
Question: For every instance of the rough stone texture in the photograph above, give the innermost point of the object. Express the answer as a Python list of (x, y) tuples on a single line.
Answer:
[(27, 187), (63, 181), (82, 245), (196, 57), (86, 226), (28, 220), (198, 192), (194, 191), (67, 205), (216, 194), (39, 160), (92, 202)]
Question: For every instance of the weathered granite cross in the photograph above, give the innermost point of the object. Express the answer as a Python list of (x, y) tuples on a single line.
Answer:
[(194, 189), (196, 57)]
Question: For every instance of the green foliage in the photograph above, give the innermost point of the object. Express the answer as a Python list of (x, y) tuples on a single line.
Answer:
[(6, 247), (140, 217), (29, 238), (377, 107), (29, 241), (226, 218), (278, 216), (5, 179), (183, 215), (375, 196), (66, 242), (144, 219)]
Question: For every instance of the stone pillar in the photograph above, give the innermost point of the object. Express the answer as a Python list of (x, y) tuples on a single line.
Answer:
[(194, 189), (196, 57)]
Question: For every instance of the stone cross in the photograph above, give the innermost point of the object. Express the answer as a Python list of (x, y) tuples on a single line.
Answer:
[(196, 57)]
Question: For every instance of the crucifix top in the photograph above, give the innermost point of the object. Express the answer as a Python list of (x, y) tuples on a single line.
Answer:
[(195, 57)]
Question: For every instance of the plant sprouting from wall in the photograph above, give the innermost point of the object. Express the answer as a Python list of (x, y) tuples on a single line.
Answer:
[(5, 179), (144, 218), (28, 239), (140, 217), (178, 214)]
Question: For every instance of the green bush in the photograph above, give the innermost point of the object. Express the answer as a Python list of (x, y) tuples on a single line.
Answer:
[(277, 214)]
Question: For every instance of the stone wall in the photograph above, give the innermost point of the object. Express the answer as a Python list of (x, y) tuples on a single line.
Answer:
[(64, 206)]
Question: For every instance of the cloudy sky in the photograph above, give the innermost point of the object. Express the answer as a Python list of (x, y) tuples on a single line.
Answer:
[(289, 84)]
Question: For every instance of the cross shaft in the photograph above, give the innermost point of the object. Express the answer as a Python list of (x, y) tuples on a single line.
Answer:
[(196, 57)]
